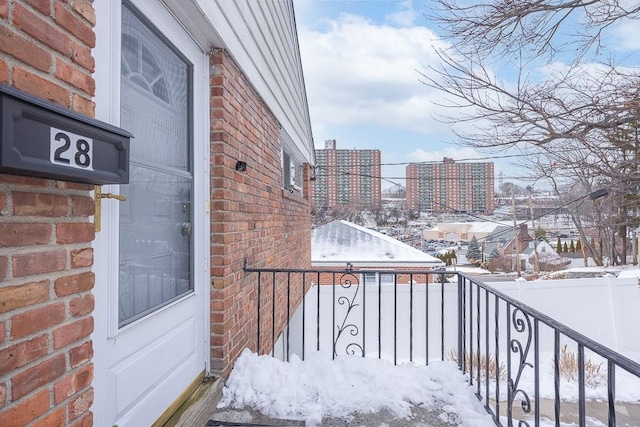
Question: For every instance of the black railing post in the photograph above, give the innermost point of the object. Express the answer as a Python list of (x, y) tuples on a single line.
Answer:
[(288, 313), (273, 315), (304, 313), (258, 337), (411, 317), (460, 323)]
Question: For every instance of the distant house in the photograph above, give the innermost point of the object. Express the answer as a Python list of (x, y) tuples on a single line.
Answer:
[(462, 231), (337, 243), (507, 243)]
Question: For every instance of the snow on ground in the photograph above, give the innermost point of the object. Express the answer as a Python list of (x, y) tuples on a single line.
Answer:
[(319, 387)]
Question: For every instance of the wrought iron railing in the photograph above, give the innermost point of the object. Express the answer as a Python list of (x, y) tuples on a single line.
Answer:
[(525, 367)]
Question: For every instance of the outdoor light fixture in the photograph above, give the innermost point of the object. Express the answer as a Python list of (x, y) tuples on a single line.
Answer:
[(241, 166)]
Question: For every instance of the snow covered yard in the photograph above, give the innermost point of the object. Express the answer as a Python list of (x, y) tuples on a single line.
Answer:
[(320, 388), (319, 391)]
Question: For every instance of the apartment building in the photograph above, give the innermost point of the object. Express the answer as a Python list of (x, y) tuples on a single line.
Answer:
[(450, 187), (346, 178)]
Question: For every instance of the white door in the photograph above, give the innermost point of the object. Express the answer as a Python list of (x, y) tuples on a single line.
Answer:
[(151, 255)]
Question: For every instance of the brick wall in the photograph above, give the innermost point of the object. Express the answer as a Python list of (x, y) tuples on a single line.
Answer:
[(403, 275), (45, 235), (252, 218)]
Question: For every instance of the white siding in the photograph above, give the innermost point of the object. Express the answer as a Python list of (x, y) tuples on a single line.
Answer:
[(262, 38)]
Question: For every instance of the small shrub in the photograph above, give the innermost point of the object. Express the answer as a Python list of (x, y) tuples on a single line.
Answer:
[(493, 369), (568, 368)]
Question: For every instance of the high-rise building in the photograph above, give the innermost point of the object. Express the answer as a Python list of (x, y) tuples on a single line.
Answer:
[(450, 187), (347, 178)]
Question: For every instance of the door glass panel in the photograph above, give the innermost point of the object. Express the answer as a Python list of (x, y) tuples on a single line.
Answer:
[(155, 221)]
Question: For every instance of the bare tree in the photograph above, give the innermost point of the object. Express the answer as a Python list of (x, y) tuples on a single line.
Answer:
[(579, 103), (578, 120)]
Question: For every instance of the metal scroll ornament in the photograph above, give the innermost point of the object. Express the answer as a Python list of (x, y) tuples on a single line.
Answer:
[(522, 324), (349, 282)]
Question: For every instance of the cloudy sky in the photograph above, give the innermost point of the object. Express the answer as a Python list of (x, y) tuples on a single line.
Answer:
[(362, 61)]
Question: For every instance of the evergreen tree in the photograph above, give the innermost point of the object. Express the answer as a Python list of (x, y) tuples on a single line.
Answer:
[(566, 248), (494, 254), (572, 247), (559, 246), (578, 246), (474, 252)]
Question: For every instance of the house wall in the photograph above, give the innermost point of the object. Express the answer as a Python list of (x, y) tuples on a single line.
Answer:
[(46, 303), (252, 217), (416, 274)]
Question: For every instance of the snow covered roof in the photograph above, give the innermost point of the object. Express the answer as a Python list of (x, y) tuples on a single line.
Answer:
[(342, 241), (470, 226)]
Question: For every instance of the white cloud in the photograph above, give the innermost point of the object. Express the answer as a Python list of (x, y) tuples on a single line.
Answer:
[(405, 16), (457, 153), (359, 72)]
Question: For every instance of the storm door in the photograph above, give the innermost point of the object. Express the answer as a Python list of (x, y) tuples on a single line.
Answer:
[(152, 251)]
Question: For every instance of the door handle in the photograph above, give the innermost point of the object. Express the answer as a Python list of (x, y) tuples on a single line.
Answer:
[(99, 195)]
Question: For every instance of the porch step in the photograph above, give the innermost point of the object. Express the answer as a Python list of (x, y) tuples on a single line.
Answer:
[(195, 411)]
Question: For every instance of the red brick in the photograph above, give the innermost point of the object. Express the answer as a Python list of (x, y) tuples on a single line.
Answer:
[(74, 284), (68, 185), (85, 421), (82, 258), (81, 305), (57, 418), (27, 381), (36, 204), (81, 354), (237, 223), (4, 72), (42, 6), (3, 331), (72, 75), (75, 25), (3, 202), (23, 234), (24, 50), (85, 9), (3, 394), (36, 26), (82, 206), (81, 55), (26, 411), (75, 232), (12, 297), (23, 180), (73, 332), (81, 404), (40, 262), (22, 353), (71, 384), (4, 263), (37, 86), (4, 9), (37, 320), (83, 105)]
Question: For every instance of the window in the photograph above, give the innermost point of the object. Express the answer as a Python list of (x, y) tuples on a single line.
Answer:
[(291, 173), (292, 160), (372, 278)]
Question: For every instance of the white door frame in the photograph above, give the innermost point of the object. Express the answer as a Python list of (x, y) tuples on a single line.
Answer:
[(107, 99)]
